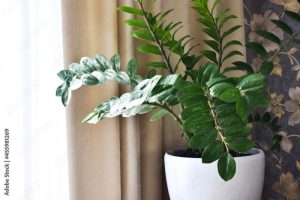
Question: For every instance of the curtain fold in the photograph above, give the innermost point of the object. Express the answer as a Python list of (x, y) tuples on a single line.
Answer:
[(118, 158)]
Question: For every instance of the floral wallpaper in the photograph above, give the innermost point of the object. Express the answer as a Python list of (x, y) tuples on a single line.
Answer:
[(282, 180)]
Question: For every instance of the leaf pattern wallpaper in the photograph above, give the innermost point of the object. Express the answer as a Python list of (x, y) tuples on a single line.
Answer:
[(282, 180)]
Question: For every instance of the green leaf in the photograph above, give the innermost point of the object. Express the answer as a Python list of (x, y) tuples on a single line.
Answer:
[(215, 80), (230, 54), (218, 89), (213, 44), (215, 5), (103, 62), (226, 166), (231, 30), (269, 36), (285, 27), (156, 65), (244, 66), (92, 118), (194, 109), (66, 75), (166, 13), (201, 140), (226, 19), (213, 151), (158, 115), (211, 55), (257, 98), (169, 80), (240, 144), (159, 94), (211, 33), (123, 78), (257, 48), (252, 82), (266, 67), (292, 15), (60, 89), (206, 72), (221, 14), (151, 73), (190, 61), (130, 10), (196, 123), (116, 62), (148, 48), (132, 68), (243, 107), (232, 43), (142, 35), (230, 95), (136, 23), (90, 80), (66, 96)]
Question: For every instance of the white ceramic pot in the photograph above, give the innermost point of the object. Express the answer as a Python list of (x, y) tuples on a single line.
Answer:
[(190, 179)]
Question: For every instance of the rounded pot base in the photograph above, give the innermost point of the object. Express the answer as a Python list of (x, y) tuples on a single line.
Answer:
[(190, 179)]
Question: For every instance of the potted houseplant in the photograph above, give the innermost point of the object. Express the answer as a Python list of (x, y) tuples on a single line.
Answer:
[(215, 110)]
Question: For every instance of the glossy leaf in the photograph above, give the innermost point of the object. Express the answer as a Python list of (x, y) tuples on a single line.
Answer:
[(213, 44), (142, 35), (116, 62), (243, 107), (226, 166), (156, 65), (60, 90), (230, 95), (158, 115), (232, 43), (132, 68), (211, 55), (218, 89), (148, 48), (230, 31), (201, 140), (240, 144), (66, 96), (257, 48), (130, 10), (66, 75), (284, 26), (269, 36), (213, 151), (244, 66), (136, 23), (230, 54), (292, 15), (90, 80), (252, 82), (266, 67), (206, 72)]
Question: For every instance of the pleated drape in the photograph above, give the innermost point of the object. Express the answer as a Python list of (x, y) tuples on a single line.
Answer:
[(118, 158)]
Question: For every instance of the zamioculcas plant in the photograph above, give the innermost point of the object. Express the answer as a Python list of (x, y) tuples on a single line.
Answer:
[(215, 110)]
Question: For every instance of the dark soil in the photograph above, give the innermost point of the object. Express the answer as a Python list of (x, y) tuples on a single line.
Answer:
[(190, 153)]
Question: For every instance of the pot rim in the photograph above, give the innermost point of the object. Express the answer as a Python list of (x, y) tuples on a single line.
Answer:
[(254, 152)]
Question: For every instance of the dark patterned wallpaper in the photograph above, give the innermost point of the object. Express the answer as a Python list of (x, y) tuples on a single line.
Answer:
[(282, 181)]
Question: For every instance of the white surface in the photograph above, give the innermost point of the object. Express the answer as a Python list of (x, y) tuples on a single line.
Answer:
[(31, 55), (190, 179)]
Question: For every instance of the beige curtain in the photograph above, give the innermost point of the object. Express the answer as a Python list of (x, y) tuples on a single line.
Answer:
[(117, 158)]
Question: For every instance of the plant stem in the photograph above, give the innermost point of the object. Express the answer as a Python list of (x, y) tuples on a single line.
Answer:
[(216, 121), (281, 47), (165, 107), (156, 39), (220, 40)]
